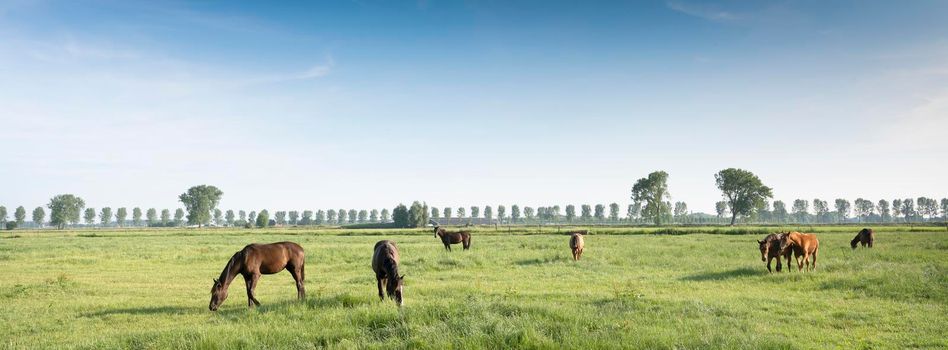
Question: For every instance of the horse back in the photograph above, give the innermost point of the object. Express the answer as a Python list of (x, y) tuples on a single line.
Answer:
[(273, 257)]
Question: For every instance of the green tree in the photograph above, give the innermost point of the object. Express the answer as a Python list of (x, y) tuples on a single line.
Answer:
[(38, 216), (528, 213), (435, 213), (280, 218), (19, 215), (800, 210), (200, 201), (821, 209), (105, 216), (137, 216), (780, 211), (461, 212), (908, 209), (243, 216), (386, 216), (89, 216), (120, 215), (447, 212), (320, 217), (165, 217), (218, 217), (307, 218), (179, 217), (634, 210), (363, 215), (884, 212), (63, 209), (294, 217), (3, 215), (514, 213), (263, 219), (488, 213), (743, 191), (585, 212), (944, 208), (570, 212), (151, 216), (331, 216), (842, 209), (681, 210), (342, 216), (864, 209), (600, 212), (614, 212), (896, 209), (418, 214), (475, 212), (501, 213), (653, 191), (721, 208), (400, 216), (229, 217), (374, 215), (353, 214)]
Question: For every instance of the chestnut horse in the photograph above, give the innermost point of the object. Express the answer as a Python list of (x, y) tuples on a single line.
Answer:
[(805, 243), (770, 250), (257, 259), (866, 237), (385, 265), (576, 243), (449, 238)]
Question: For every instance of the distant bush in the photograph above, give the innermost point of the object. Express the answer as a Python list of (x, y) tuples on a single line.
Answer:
[(11, 225)]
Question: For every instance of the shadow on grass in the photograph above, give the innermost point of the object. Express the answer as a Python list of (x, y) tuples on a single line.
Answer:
[(724, 275), (153, 310)]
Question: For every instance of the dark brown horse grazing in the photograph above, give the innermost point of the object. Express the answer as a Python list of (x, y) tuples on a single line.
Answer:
[(449, 238), (385, 265), (770, 250), (806, 243), (865, 237), (576, 244), (257, 259)]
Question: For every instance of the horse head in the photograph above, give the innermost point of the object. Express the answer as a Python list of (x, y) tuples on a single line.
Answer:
[(394, 289), (785, 243), (218, 295), (436, 229)]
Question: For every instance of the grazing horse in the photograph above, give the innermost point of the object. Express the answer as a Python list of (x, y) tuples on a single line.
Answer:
[(804, 244), (576, 244), (770, 250), (866, 237), (257, 259), (385, 265), (449, 238)]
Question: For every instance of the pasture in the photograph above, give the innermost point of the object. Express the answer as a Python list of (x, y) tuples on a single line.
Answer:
[(150, 289)]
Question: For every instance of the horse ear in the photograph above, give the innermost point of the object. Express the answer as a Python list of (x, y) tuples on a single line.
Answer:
[(216, 281), (760, 242), (401, 277)]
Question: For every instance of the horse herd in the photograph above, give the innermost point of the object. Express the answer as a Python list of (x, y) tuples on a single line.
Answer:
[(265, 259)]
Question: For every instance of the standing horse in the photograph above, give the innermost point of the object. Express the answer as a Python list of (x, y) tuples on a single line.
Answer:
[(805, 243), (865, 237), (257, 259), (385, 265), (770, 250), (449, 238), (576, 244)]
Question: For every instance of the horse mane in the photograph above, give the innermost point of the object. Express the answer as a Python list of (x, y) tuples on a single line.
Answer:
[(226, 275)]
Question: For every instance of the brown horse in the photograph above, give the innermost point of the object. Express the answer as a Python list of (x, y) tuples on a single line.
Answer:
[(866, 237), (449, 238), (385, 265), (770, 250), (806, 243), (576, 244), (257, 259)]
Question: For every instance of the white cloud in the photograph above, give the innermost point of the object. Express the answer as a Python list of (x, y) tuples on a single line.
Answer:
[(702, 11)]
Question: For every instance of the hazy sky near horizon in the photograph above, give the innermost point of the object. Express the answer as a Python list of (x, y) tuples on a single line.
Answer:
[(365, 104)]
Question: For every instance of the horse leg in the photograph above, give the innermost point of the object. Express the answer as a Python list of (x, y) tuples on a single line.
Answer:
[(814, 258), (248, 280), (447, 246), (580, 254), (768, 264), (253, 285), (378, 279), (297, 273)]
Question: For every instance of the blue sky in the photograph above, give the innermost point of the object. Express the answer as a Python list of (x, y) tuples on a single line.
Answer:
[(366, 104)]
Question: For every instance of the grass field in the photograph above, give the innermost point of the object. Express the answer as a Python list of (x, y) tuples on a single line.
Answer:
[(150, 289)]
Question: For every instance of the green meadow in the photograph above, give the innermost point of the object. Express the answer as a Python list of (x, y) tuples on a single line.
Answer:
[(517, 288)]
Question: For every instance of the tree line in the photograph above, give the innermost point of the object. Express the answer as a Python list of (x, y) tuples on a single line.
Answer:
[(745, 198)]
